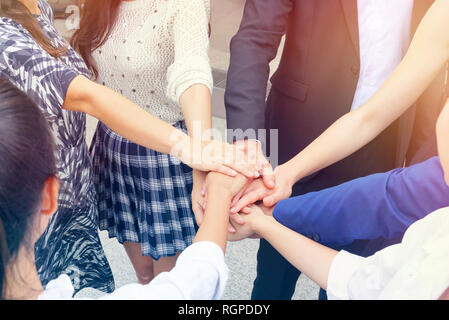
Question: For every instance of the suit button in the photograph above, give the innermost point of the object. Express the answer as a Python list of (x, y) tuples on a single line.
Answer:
[(315, 237), (355, 70)]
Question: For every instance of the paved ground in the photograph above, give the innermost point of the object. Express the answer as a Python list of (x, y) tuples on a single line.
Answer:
[(241, 256)]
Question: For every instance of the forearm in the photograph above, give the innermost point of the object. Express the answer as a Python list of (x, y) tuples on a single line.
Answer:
[(311, 258), (215, 222), (197, 110), (123, 116), (442, 130)]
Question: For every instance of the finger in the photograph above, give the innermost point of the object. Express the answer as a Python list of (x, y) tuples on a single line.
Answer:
[(246, 200), (224, 169), (271, 200), (245, 169), (268, 177), (241, 164), (269, 181), (236, 218), (199, 213), (231, 229), (204, 189), (246, 210), (204, 204), (235, 199), (242, 191)]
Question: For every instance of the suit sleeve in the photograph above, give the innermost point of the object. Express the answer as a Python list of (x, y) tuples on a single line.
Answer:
[(380, 205), (252, 48)]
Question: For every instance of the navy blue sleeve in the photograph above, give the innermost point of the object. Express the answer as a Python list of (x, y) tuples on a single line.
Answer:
[(380, 205), (252, 48)]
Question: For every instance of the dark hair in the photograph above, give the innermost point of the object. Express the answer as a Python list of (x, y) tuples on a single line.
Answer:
[(18, 12), (98, 18), (26, 161)]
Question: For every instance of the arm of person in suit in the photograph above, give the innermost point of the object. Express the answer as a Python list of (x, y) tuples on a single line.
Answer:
[(252, 48), (428, 53)]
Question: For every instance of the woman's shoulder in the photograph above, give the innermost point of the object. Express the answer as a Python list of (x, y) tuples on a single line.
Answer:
[(13, 32)]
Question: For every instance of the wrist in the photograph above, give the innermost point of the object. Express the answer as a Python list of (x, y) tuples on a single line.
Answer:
[(181, 146), (295, 170), (217, 189), (259, 224), (199, 177)]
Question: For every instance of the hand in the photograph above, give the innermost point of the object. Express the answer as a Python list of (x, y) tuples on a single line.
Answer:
[(256, 191), (249, 228), (283, 188), (198, 199), (255, 154), (232, 185), (216, 156)]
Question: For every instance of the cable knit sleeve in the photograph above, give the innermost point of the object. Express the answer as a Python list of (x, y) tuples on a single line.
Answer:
[(191, 38)]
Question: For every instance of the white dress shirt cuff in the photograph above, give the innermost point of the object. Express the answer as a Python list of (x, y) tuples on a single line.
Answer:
[(340, 273)]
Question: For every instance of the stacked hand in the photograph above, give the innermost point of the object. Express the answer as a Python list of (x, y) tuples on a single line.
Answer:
[(252, 219), (246, 158), (257, 191), (249, 153)]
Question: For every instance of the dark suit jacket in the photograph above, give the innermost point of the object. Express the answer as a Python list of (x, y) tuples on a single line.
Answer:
[(313, 86)]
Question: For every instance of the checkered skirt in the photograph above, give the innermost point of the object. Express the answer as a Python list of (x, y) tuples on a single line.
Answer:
[(143, 196)]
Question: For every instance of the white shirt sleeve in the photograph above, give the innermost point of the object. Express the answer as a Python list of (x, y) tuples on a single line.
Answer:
[(191, 38), (416, 268), (200, 274), (341, 272)]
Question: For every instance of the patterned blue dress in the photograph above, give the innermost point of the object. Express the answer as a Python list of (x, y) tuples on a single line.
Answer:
[(71, 244)]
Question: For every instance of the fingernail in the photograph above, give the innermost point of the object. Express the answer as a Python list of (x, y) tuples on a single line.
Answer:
[(234, 210)]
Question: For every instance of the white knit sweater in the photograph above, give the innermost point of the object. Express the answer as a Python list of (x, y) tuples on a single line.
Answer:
[(157, 50)]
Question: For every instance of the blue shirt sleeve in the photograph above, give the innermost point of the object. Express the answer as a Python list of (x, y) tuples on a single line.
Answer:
[(379, 205)]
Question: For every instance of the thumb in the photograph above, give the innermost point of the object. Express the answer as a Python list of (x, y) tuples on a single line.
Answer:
[(271, 200), (269, 180)]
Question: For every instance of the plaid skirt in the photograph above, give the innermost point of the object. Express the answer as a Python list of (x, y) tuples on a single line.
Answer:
[(143, 196)]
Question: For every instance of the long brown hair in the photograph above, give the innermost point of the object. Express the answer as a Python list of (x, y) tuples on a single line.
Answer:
[(98, 18), (17, 11)]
